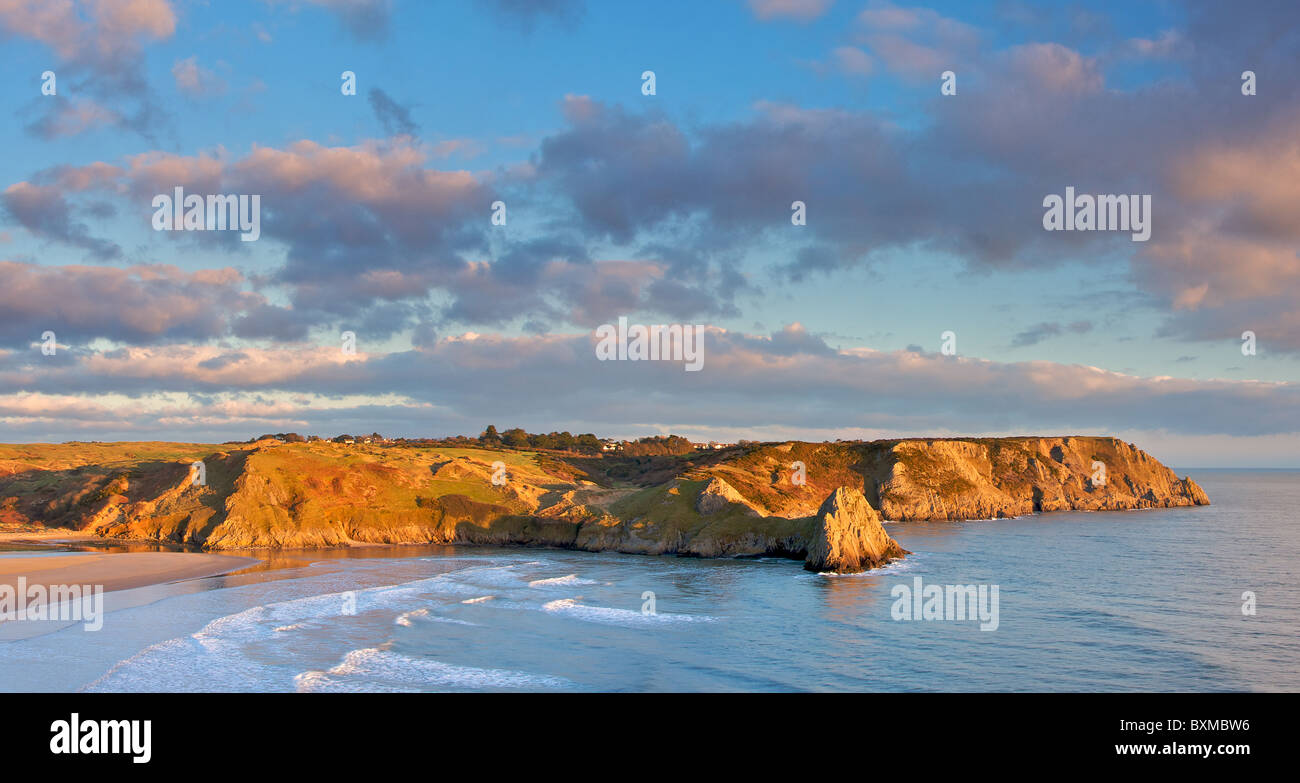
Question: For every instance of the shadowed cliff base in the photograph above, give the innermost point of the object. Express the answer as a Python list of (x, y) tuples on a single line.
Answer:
[(820, 502)]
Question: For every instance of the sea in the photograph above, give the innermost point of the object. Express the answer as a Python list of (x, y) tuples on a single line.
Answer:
[(1187, 599)]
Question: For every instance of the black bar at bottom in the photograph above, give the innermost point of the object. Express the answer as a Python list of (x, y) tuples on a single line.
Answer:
[(225, 733)]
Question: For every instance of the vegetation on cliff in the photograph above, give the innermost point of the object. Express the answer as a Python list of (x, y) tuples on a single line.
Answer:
[(747, 500)]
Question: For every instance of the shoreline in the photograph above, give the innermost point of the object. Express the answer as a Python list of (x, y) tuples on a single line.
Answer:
[(114, 571), (38, 536)]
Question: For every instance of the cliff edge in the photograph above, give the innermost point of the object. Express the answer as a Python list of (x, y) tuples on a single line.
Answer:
[(819, 501)]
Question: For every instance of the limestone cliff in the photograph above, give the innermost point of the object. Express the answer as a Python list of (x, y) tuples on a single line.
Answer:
[(984, 479), (757, 499), (956, 478), (848, 536)]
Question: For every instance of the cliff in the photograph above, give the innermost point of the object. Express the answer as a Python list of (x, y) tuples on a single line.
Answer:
[(962, 478), (848, 536), (779, 499)]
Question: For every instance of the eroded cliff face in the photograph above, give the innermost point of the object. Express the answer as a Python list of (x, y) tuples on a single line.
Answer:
[(798, 500), (958, 479), (1007, 477), (848, 536)]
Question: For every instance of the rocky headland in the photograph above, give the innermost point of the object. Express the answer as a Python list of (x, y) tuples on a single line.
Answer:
[(823, 503)]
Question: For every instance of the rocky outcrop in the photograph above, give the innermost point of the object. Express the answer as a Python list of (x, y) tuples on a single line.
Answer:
[(752, 500), (848, 536), (1010, 477), (719, 496)]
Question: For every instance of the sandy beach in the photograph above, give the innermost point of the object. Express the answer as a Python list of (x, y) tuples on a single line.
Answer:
[(116, 571), (44, 535)]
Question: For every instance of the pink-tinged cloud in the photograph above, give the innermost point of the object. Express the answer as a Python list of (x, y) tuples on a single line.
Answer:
[(910, 59), (75, 116), (375, 205), (1051, 66), (1230, 259), (365, 20), (788, 379), (99, 46), (799, 10), (133, 304), (1252, 182), (151, 18), (1168, 44), (918, 44), (374, 173), (852, 60), (97, 28), (210, 366), (195, 80), (46, 214)]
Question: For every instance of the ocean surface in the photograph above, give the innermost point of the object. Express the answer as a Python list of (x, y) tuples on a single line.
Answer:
[(1144, 601)]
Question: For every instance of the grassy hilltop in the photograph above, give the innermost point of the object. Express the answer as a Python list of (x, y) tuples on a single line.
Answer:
[(740, 500)]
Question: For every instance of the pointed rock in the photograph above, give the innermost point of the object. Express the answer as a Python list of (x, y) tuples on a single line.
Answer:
[(848, 536), (718, 495)]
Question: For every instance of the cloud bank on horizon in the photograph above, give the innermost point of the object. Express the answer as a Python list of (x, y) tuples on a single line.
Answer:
[(501, 182)]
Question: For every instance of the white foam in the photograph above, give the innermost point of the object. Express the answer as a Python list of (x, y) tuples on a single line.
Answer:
[(215, 657), (611, 616), (487, 577), (561, 581), (374, 669), (404, 619), (892, 567)]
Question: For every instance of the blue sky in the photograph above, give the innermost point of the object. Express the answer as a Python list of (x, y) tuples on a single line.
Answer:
[(924, 216)]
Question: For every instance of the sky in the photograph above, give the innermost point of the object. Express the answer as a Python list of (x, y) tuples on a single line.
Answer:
[(923, 216)]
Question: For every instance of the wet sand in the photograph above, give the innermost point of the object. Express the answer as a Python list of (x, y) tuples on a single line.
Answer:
[(45, 535), (116, 571)]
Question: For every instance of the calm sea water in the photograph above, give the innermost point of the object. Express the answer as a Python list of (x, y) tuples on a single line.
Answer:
[(1148, 601)]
